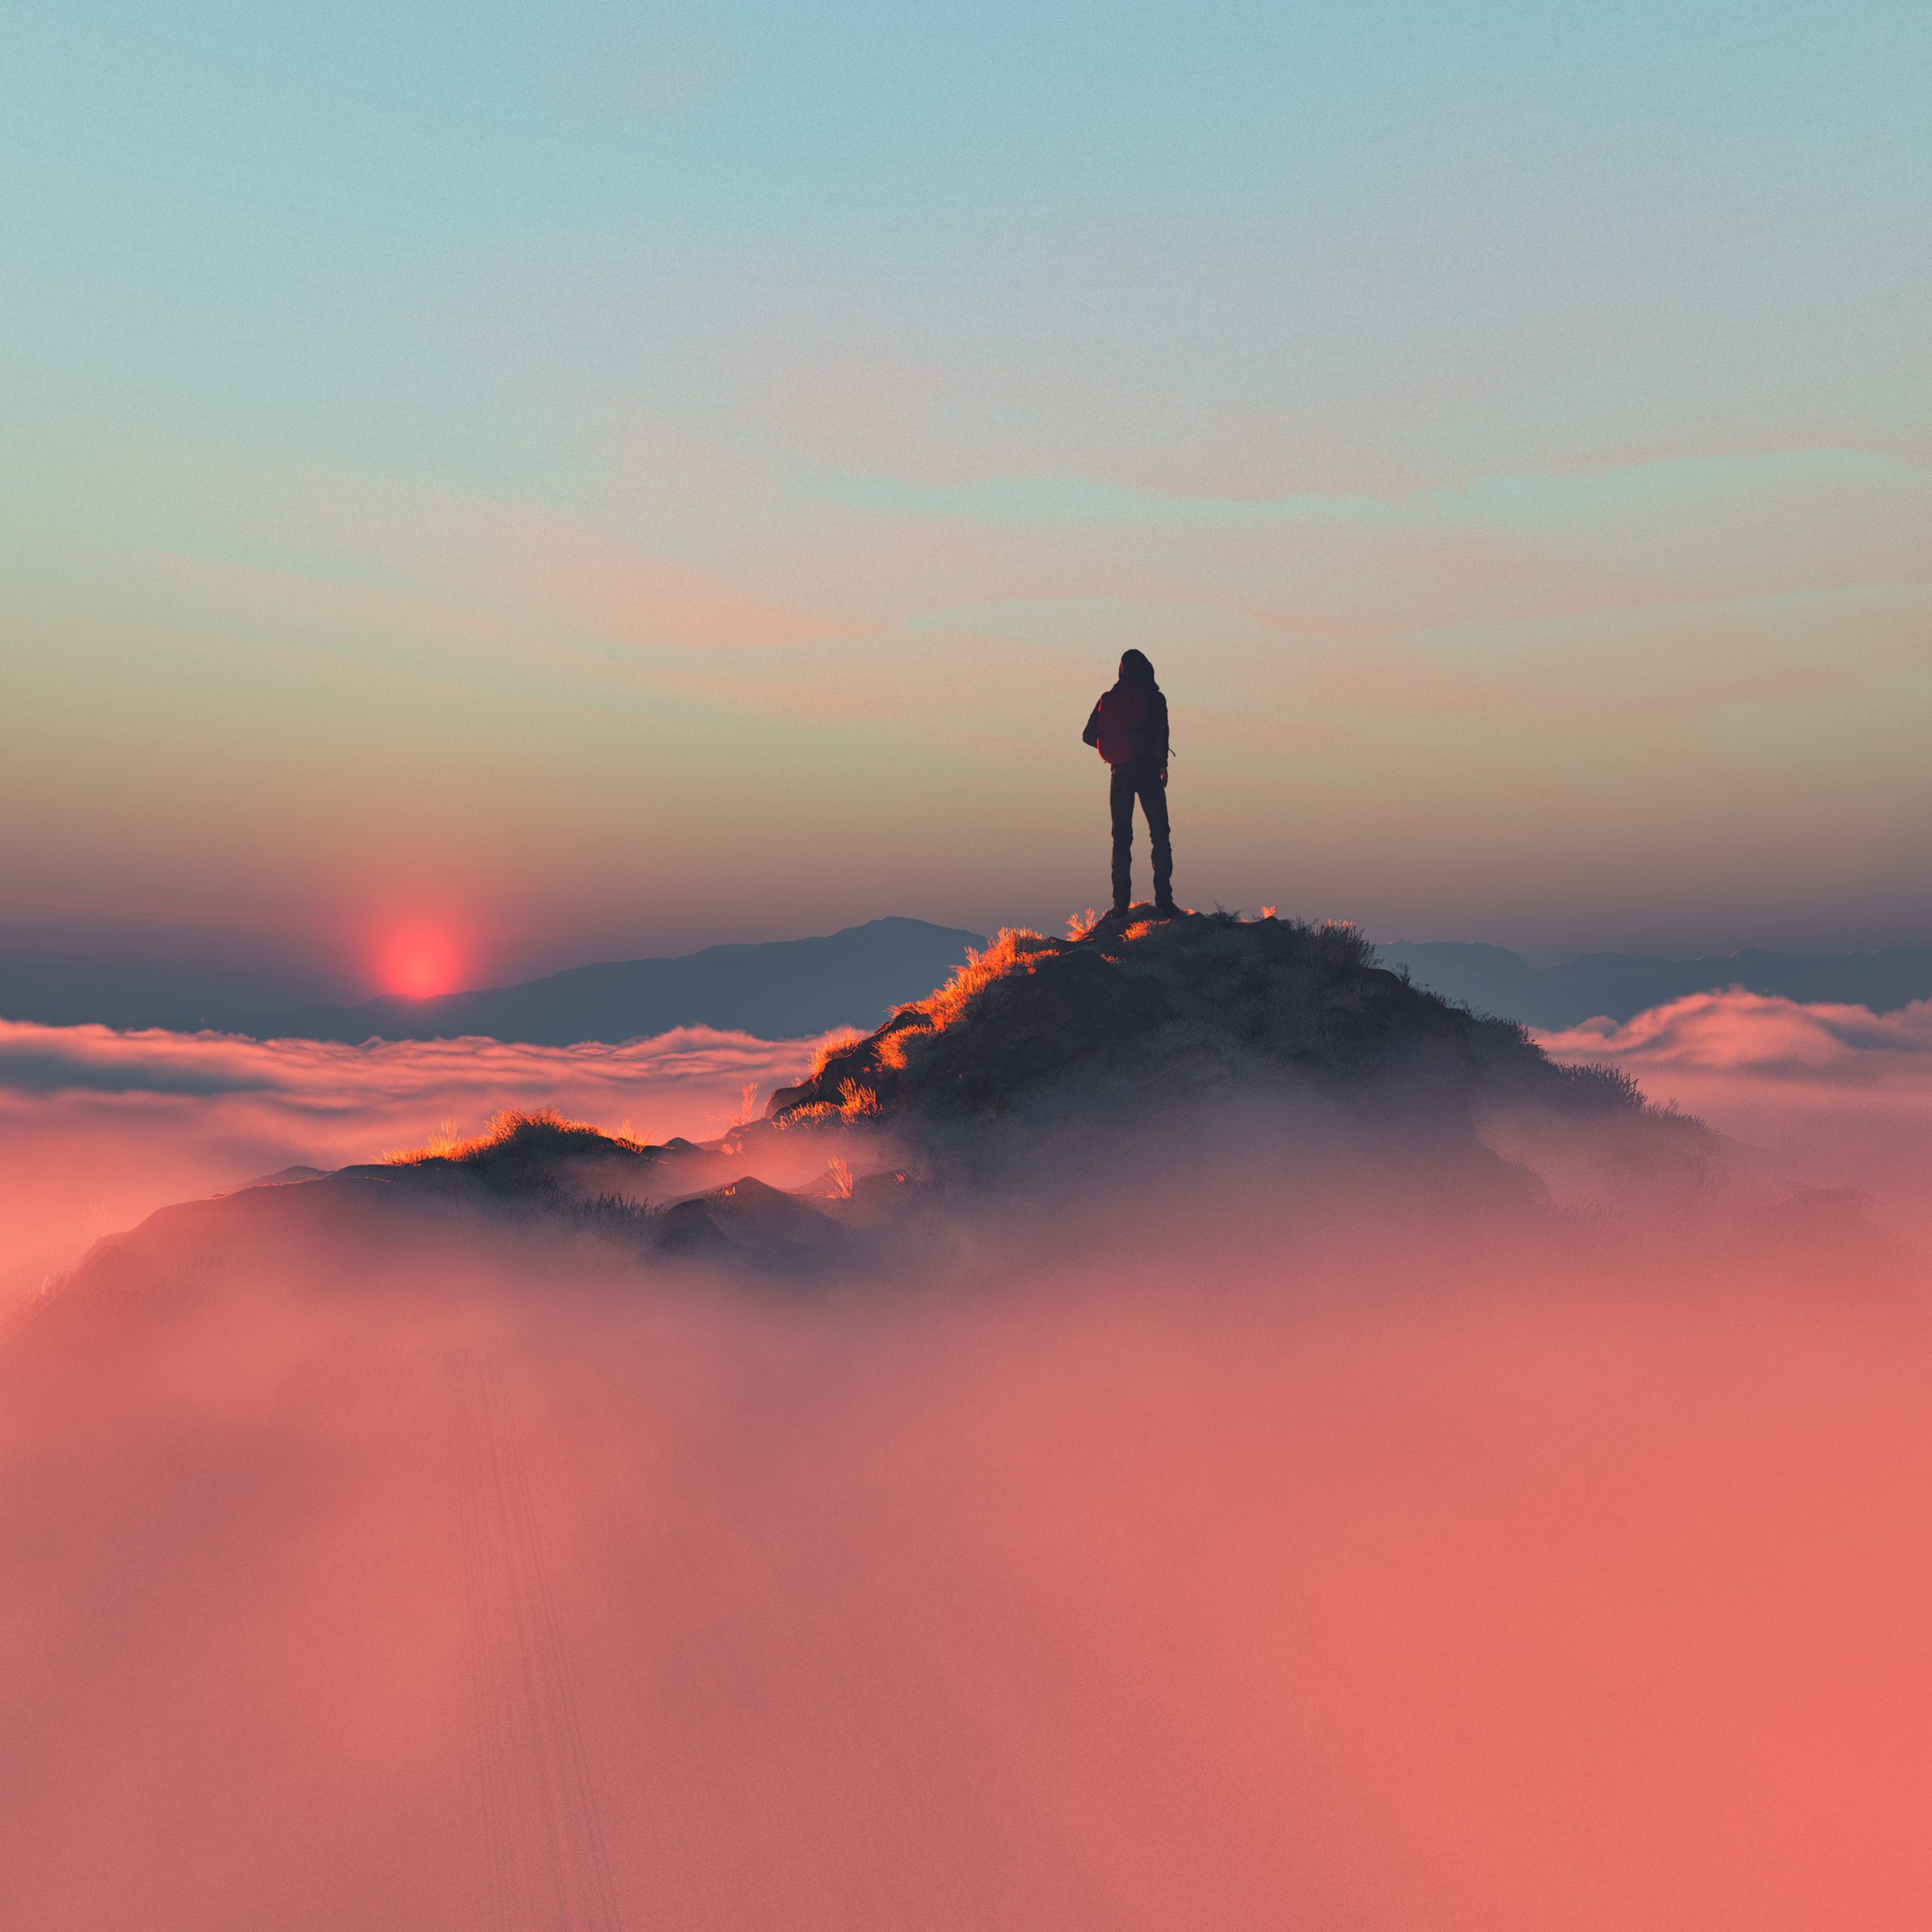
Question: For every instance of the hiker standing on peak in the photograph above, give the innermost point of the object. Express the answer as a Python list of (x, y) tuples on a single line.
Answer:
[(1129, 728)]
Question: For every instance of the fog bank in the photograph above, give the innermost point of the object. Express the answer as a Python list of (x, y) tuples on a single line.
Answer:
[(1237, 1577)]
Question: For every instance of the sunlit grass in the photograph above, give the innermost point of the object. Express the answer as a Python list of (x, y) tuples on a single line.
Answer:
[(857, 1102), (509, 1128), (1010, 949), (830, 1047)]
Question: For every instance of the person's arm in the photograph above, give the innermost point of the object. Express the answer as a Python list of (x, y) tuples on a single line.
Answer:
[(1162, 729), (1091, 736)]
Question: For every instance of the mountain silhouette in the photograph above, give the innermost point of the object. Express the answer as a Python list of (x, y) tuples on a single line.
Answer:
[(778, 990)]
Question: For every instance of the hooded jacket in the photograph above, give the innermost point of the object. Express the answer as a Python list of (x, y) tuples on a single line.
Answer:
[(1129, 725)]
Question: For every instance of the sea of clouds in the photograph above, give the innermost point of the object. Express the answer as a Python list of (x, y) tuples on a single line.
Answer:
[(1231, 1543)]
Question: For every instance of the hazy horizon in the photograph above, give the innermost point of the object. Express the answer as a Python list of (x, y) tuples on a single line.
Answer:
[(94, 964)]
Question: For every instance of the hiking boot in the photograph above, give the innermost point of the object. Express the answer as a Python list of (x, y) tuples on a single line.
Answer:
[(1166, 909)]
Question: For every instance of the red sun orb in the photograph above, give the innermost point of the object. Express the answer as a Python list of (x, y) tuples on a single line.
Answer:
[(418, 964)]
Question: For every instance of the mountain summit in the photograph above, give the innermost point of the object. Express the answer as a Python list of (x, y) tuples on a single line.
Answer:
[(1161, 1009)]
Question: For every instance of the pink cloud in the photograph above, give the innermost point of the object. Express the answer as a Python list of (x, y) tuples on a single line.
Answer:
[(1769, 1038), (598, 585), (393, 555)]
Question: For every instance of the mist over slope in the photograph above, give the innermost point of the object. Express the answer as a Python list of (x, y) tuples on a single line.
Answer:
[(1177, 1426)]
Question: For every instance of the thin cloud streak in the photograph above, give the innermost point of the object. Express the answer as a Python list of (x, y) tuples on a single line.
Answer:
[(324, 1078)]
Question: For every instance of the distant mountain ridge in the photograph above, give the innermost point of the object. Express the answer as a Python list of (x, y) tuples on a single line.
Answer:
[(778, 990), (1619, 985), (785, 989)]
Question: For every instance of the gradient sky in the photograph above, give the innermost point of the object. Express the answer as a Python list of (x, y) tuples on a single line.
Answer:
[(598, 479)]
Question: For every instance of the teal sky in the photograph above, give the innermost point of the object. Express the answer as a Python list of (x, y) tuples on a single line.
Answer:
[(605, 477)]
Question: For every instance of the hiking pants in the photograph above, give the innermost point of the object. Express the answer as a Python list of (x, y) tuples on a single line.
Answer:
[(1140, 780)]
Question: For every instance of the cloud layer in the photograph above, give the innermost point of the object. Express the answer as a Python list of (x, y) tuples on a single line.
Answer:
[(1764, 1044)]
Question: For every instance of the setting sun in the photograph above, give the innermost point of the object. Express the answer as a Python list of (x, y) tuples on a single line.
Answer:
[(418, 962)]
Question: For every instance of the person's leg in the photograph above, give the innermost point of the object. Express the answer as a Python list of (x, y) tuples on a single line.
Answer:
[(1154, 803), (1120, 799)]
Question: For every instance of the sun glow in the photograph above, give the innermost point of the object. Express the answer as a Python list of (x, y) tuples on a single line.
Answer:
[(418, 962)]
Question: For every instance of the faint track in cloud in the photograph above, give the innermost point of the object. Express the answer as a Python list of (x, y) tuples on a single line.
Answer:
[(546, 1863)]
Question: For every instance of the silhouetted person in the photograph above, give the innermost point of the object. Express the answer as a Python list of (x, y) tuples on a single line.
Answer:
[(1129, 727)]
